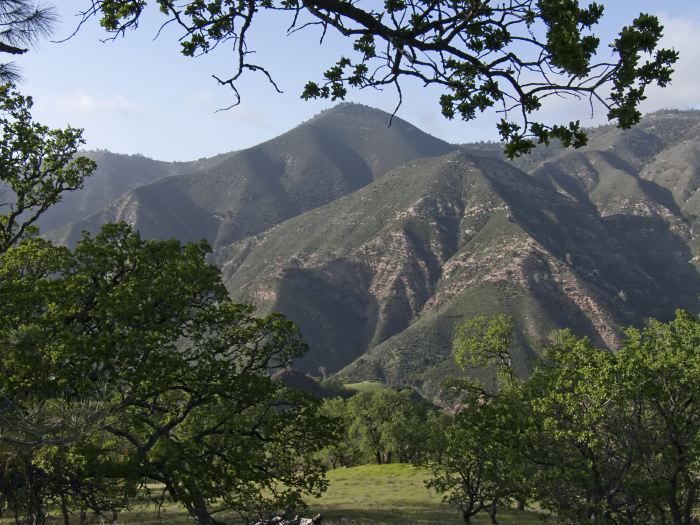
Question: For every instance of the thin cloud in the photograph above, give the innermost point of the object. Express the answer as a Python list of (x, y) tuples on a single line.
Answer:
[(208, 102), (680, 34), (245, 116), (90, 105)]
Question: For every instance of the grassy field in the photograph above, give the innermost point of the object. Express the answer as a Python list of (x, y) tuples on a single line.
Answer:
[(365, 386), (367, 495), (392, 495)]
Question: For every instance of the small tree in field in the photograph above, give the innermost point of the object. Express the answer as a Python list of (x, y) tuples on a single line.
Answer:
[(386, 425)]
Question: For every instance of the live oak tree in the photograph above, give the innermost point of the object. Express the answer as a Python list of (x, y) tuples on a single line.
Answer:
[(472, 458), (124, 362), (661, 367), (511, 55), (380, 426), (180, 375), (385, 424), (475, 456), (614, 435), (37, 166), (593, 436), (343, 452), (583, 438), (485, 342)]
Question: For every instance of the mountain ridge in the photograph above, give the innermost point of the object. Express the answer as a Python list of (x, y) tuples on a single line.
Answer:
[(513, 245), (378, 241)]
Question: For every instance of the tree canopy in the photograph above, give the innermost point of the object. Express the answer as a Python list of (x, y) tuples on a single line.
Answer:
[(37, 166), (177, 374), (124, 362), (509, 55), (593, 436)]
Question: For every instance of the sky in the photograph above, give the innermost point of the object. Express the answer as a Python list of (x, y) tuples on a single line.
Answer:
[(138, 95)]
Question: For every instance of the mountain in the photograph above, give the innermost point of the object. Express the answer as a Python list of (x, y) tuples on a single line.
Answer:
[(378, 280), (331, 155), (378, 241), (115, 175), (656, 163)]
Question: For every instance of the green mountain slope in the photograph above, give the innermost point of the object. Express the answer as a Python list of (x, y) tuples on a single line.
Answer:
[(331, 155), (377, 280), (115, 175)]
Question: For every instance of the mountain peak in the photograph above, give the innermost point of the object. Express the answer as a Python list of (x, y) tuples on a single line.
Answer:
[(352, 114)]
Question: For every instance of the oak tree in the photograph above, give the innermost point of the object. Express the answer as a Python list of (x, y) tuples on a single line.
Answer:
[(511, 55), (181, 375), (37, 166)]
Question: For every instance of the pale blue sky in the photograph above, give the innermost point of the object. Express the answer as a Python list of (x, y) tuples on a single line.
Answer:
[(138, 95)]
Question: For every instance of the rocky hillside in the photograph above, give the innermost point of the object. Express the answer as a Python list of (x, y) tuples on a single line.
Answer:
[(377, 241), (378, 280)]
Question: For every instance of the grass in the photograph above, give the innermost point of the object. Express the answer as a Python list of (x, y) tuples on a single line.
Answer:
[(366, 495), (392, 495), (365, 386)]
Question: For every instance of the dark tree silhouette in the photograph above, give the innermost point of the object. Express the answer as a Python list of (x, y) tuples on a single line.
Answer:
[(22, 24)]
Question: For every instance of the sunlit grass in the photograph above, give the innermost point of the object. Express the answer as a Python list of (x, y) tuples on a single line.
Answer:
[(365, 386), (392, 495), (366, 495)]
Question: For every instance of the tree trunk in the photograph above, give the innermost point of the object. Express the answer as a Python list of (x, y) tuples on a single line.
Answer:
[(379, 457), (520, 505), (688, 508), (64, 510), (493, 508), (35, 510), (467, 518), (198, 507), (676, 516), (468, 511), (201, 511)]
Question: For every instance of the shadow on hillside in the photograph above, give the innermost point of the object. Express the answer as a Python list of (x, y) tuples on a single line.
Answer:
[(635, 264), (337, 321), (658, 193), (555, 303)]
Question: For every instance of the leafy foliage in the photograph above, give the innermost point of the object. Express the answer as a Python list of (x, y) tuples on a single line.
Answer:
[(484, 341), (182, 375), (593, 436), (581, 437), (124, 362), (379, 426), (471, 460), (480, 53), (37, 166)]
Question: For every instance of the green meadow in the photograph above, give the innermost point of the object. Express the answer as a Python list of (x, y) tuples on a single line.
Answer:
[(393, 494)]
